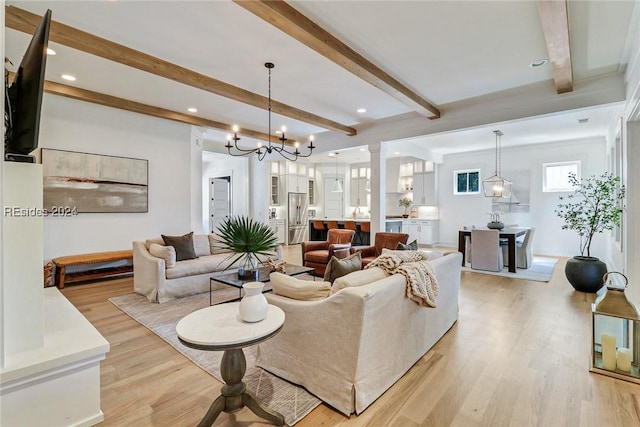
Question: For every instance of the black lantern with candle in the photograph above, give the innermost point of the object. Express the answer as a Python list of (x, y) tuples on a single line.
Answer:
[(616, 334)]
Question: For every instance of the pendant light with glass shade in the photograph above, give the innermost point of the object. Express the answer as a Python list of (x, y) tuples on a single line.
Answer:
[(337, 187), (497, 186)]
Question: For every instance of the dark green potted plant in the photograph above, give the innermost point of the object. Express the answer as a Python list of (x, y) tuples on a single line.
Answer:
[(594, 207), (247, 239)]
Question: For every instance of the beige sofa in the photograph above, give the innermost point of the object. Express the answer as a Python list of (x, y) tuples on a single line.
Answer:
[(153, 279), (349, 348)]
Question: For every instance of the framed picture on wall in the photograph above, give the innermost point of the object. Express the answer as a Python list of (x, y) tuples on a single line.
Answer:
[(92, 183)]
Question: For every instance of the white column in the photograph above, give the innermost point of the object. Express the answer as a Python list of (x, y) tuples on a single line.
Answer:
[(259, 190), (378, 152)]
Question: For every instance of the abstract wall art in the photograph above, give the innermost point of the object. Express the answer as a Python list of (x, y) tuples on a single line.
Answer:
[(94, 182)]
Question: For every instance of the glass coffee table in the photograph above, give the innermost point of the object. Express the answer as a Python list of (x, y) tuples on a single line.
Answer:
[(231, 278)]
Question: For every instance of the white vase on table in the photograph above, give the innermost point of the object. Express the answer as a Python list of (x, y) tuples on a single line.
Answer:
[(253, 306)]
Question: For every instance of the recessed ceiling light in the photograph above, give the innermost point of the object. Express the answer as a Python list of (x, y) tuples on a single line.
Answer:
[(363, 149), (538, 63), (192, 110), (362, 110), (50, 51), (68, 77), (396, 153), (583, 120), (332, 154)]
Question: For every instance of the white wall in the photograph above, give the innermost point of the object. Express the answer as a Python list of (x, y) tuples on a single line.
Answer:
[(79, 126), (457, 211)]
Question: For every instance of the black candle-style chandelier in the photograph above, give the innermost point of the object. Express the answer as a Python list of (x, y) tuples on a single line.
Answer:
[(262, 150)]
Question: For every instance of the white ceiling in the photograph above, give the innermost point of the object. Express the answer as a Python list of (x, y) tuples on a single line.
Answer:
[(449, 52)]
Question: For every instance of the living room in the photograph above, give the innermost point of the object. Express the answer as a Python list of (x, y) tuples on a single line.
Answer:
[(177, 196)]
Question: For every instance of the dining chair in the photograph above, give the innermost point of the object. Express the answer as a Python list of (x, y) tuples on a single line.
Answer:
[(365, 232), (332, 225), (320, 231), (486, 253), (351, 225), (524, 254), (467, 244)]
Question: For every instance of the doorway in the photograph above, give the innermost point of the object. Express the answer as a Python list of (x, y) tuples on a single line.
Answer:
[(219, 201), (333, 202)]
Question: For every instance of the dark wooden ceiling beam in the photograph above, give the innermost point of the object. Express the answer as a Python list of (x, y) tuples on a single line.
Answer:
[(22, 20), (149, 110), (295, 24), (555, 25)]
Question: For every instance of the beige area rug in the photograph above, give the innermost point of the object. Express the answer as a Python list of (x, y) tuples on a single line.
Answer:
[(291, 401), (541, 270)]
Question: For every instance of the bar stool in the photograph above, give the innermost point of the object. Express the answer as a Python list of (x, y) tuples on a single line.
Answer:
[(365, 232), (332, 225), (351, 225), (319, 231)]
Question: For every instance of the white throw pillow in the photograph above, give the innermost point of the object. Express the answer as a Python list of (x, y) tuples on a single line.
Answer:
[(167, 253), (358, 278), (201, 245), (305, 290)]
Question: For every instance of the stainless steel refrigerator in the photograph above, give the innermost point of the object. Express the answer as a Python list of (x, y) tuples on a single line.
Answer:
[(297, 217)]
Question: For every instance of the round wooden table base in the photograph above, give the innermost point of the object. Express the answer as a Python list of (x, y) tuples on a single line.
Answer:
[(234, 394)]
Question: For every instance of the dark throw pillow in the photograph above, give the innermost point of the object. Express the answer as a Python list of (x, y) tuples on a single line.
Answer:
[(340, 267), (182, 244), (413, 246)]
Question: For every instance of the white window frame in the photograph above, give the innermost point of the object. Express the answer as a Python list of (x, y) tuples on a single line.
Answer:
[(549, 187), (466, 171)]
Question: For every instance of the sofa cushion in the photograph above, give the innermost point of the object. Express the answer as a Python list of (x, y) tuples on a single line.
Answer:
[(182, 244), (358, 278), (320, 256), (305, 290), (215, 245), (192, 267), (167, 253), (341, 267), (413, 246), (156, 240), (201, 245)]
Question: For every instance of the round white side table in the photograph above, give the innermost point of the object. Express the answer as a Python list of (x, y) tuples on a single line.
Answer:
[(219, 328)]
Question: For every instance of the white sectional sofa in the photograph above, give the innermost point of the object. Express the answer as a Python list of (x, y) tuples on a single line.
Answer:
[(153, 279), (350, 347)]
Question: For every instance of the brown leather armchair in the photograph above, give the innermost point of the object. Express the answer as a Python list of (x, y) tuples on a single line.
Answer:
[(318, 254), (382, 240)]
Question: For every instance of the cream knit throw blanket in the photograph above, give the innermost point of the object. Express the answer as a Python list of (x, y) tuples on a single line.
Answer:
[(422, 285)]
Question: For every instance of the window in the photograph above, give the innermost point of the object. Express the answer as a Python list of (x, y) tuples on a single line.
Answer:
[(466, 181), (555, 176)]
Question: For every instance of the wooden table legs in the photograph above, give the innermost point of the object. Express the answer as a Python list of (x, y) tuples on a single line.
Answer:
[(234, 395)]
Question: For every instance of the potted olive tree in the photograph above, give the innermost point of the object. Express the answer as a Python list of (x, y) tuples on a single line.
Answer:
[(595, 206), (406, 203), (246, 239)]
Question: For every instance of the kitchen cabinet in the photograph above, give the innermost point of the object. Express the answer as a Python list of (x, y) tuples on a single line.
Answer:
[(399, 176), (359, 177), (424, 183), (425, 231), (279, 227), (297, 178), (275, 190)]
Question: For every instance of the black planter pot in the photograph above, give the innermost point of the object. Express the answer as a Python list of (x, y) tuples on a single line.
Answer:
[(585, 273)]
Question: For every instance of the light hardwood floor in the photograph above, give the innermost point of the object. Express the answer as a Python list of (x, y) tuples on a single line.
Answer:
[(518, 356)]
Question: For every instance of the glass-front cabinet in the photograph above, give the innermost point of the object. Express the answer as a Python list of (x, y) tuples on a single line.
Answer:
[(359, 180)]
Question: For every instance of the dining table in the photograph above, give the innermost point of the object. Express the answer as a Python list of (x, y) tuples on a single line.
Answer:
[(509, 233)]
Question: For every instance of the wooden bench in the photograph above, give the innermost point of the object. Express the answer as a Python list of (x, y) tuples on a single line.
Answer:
[(61, 263)]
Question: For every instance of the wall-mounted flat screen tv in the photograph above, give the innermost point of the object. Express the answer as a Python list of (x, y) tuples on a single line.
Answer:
[(23, 99)]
